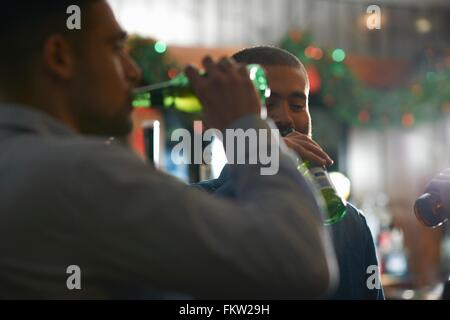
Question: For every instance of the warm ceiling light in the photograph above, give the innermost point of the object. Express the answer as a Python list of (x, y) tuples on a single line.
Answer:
[(423, 25)]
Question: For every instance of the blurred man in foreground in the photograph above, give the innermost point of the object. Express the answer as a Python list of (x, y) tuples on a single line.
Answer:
[(70, 202)]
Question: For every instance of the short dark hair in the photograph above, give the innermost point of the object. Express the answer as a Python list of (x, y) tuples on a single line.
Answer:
[(24, 27), (269, 56)]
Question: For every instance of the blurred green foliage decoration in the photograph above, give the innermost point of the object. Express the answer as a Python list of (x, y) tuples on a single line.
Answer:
[(425, 98)]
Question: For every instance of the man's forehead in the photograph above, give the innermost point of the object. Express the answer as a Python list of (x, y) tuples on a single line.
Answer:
[(286, 78), (103, 20)]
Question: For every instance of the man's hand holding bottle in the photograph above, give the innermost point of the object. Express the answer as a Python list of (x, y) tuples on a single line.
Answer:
[(226, 92), (307, 148)]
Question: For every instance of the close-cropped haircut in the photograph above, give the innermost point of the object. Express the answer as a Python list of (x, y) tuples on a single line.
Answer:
[(270, 56), (24, 27)]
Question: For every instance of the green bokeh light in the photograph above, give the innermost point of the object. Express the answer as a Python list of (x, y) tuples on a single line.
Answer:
[(160, 47), (338, 55)]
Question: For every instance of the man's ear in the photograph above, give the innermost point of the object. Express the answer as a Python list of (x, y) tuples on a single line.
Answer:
[(58, 57)]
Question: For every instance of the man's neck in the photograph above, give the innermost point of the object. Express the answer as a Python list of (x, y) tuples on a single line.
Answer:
[(48, 106)]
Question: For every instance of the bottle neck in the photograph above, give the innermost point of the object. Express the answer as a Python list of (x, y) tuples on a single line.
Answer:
[(179, 81), (155, 95)]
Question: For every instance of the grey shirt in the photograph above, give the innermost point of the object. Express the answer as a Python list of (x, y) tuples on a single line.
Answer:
[(68, 199)]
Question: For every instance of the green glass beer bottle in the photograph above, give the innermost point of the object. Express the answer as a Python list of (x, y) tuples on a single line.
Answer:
[(335, 205), (177, 93)]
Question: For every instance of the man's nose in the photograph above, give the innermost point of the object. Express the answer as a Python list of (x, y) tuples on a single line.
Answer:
[(282, 117), (133, 72)]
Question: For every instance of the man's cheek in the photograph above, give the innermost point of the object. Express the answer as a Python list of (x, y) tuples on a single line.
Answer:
[(303, 125), (272, 114), (119, 69)]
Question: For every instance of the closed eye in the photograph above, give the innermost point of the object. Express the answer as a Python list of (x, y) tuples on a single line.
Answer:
[(297, 107)]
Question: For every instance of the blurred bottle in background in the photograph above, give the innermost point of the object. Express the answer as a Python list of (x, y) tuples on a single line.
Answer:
[(430, 210)]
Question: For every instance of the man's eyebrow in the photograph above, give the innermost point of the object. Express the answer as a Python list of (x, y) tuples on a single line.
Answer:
[(119, 36), (298, 94), (295, 94)]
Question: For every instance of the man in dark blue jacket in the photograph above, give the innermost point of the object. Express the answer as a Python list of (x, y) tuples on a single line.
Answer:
[(288, 108)]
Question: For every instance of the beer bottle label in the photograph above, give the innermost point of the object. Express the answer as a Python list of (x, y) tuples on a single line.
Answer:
[(321, 178)]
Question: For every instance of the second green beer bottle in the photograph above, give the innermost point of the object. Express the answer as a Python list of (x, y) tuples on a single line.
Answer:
[(336, 207), (177, 93)]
